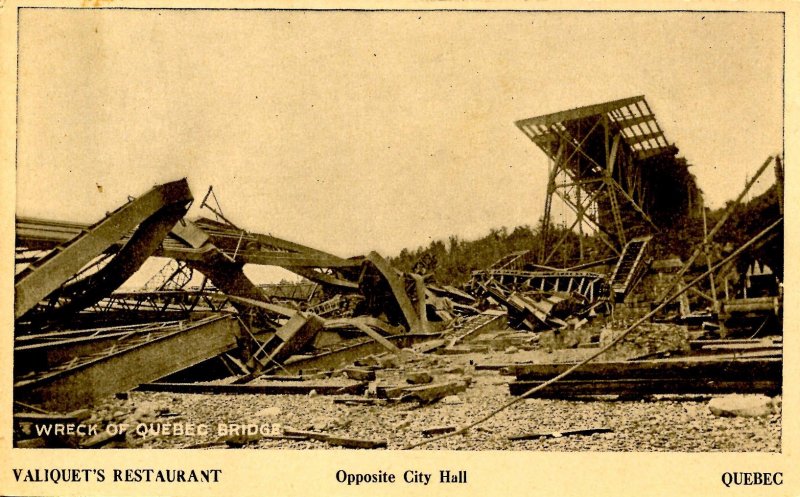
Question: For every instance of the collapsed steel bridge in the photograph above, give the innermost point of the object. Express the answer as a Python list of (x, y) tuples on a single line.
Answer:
[(78, 339)]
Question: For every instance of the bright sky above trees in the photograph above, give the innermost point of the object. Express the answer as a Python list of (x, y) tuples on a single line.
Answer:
[(358, 131)]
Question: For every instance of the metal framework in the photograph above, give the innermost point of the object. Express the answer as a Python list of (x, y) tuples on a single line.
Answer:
[(174, 275), (597, 156), (128, 361), (630, 267), (146, 220), (302, 291), (198, 242), (162, 302), (589, 286)]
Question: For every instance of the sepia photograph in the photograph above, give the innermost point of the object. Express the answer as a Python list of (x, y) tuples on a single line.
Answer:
[(265, 230)]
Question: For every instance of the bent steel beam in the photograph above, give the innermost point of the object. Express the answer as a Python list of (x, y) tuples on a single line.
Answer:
[(125, 368), (197, 237), (256, 248), (198, 242), (45, 275), (228, 276), (90, 290), (331, 280), (398, 290), (233, 240)]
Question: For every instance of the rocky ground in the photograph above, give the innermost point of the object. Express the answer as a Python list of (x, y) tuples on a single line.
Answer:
[(664, 424)]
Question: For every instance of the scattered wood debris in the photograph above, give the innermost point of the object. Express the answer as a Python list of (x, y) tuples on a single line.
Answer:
[(351, 443), (559, 434)]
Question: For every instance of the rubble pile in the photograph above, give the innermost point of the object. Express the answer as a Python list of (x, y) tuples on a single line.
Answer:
[(362, 355), (647, 340), (359, 354), (670, 423), (567, 338)]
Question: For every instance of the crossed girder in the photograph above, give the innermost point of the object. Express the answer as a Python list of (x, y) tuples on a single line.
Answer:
[(145, 220), (84, 263), (250, 248)]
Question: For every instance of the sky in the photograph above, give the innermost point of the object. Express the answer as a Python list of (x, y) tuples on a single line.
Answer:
[(359, 131)]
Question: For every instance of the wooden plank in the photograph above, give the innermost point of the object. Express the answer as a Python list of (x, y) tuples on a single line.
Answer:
[(378, 338), (432, 392), (422, 310), (499, 367), (103, 438), (771, 304), (775, 353), (437, 430), (559, 434), (698, 344), (337, 323), (769, 368), (390, 391), (638, 387), (123, 370), (41, 419), (277, 388), (351, 443), (31, 443), (238, 441), (429, 346), (277, 377), (350, 401), (351, 352), (741, 348)]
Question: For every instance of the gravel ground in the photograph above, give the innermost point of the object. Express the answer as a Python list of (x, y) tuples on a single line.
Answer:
[(667, 424)]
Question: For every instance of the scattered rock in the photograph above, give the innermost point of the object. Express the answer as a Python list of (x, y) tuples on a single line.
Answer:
[(428, 394), (360, 374), (419, 378), (646, 339), (81, 414), (563, 339), (370, 360), (269, 412), (452, 400), (338, 424), (735, 405), (407, 355), (388, 361), (145, 410), (372, 389)]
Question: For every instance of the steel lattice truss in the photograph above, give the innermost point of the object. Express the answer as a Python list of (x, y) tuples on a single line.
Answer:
[(599, 157)]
